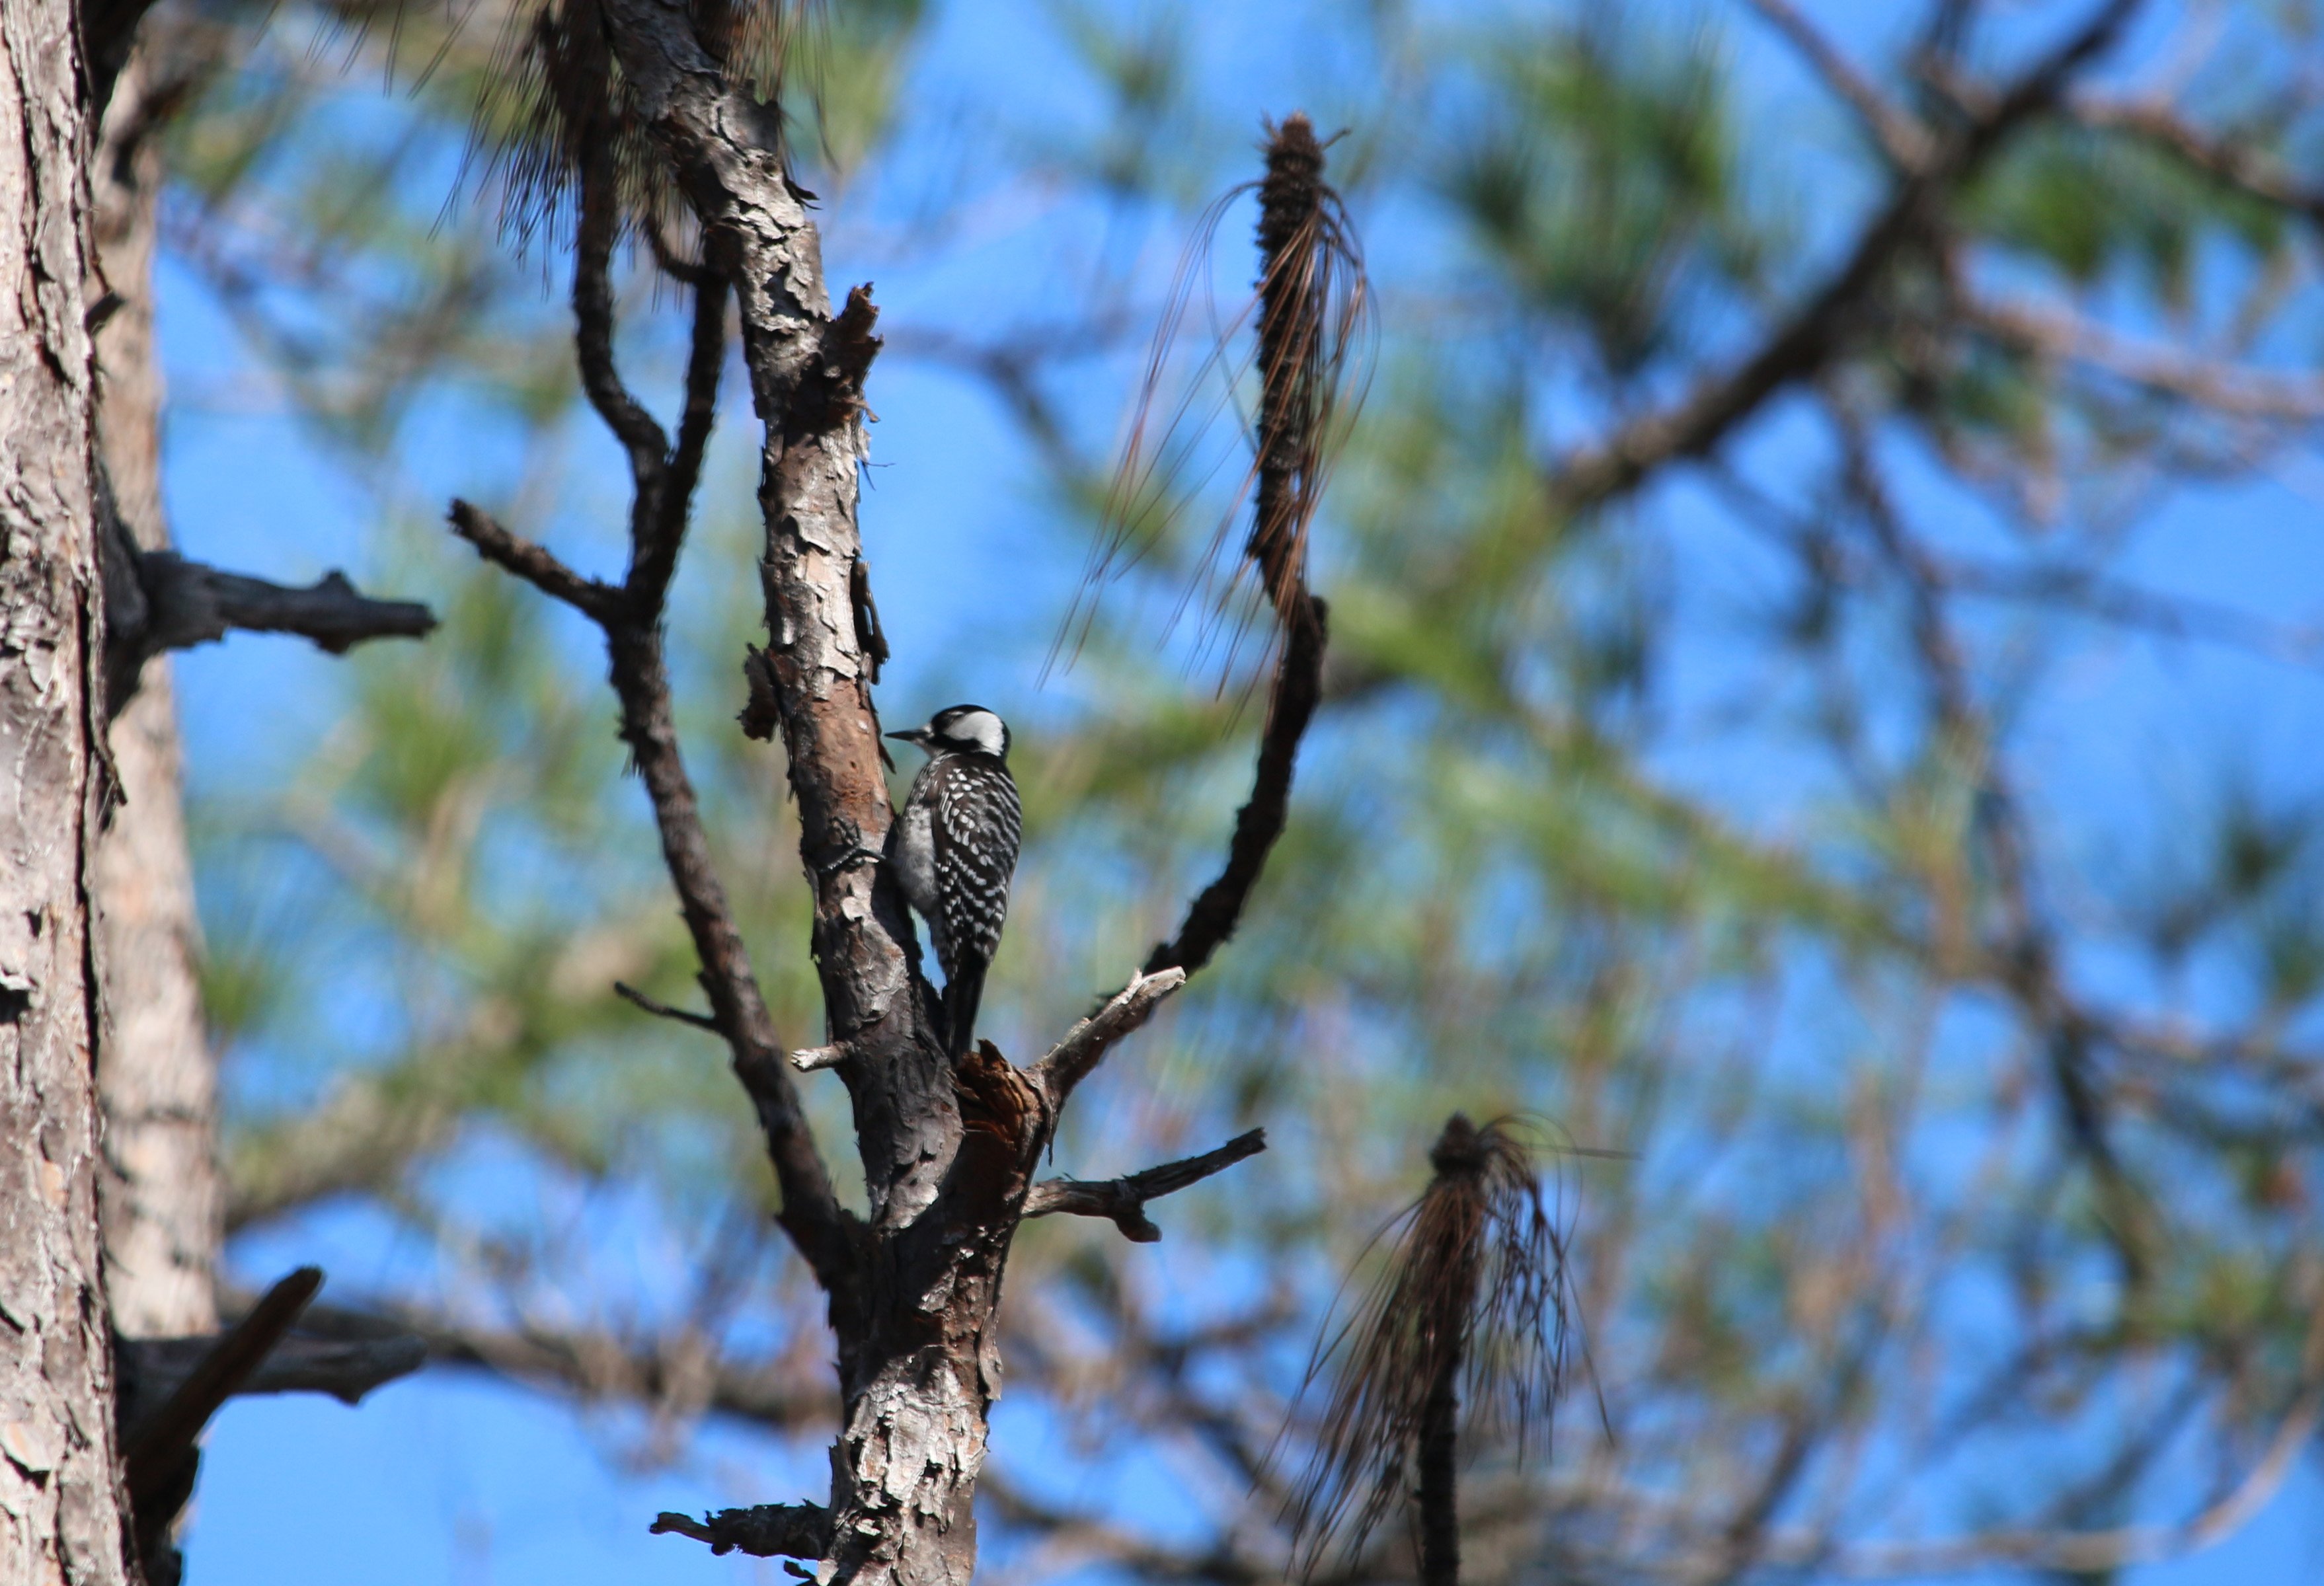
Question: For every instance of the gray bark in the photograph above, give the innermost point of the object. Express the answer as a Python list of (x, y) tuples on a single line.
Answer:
[(157, 1079), (61, 1509)]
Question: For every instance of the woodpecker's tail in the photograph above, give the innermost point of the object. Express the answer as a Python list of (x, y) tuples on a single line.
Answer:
[(963, 990)]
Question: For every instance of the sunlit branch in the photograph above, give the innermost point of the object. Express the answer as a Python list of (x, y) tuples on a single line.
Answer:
[(1084, 1046)]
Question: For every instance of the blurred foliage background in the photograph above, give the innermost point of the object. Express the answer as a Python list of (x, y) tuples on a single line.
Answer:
[(1879, 830)]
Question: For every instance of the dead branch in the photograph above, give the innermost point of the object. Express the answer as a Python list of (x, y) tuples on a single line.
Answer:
[(590, 1365), (534, 563), (631, 617), (161, 1451), (153, 1369), (661, 1009), (1124, 1199), (770, 1530), (157, 601), (1290, 708), (1084, 1046), (1311, 294)]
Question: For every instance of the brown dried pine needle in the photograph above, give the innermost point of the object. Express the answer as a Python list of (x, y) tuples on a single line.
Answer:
[(1474, 1287)]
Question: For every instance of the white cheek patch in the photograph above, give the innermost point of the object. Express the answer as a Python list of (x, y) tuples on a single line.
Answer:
[(982, 728)]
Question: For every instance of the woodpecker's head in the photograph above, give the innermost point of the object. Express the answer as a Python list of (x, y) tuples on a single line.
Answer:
[(961, 729)]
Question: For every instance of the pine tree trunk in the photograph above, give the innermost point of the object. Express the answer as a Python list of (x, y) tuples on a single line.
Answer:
[(156, 1080), (61, 1509), (1440, 1516)]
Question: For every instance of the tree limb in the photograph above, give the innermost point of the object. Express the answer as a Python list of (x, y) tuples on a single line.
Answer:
[(534, 563), (1825, 323), (152, 1368), (1084, 1046), (161, 1449), (1290, 706), (1124, 1199), (661, 1009), (2232, 164), (158, 601), (769, 1530)]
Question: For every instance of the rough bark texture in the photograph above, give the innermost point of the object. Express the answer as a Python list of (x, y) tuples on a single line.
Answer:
[(60, 1504), (917, 1365), (157, 1080)]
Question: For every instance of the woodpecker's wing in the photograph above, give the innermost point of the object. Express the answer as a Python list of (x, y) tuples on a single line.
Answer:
[(977, 828)]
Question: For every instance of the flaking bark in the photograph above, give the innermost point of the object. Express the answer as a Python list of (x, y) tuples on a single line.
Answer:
[(62, 1511)]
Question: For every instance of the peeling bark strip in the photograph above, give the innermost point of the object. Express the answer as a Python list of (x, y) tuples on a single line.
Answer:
[(62, 1512)]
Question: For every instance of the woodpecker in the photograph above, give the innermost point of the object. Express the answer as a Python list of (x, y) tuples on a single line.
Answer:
[(954, 847)]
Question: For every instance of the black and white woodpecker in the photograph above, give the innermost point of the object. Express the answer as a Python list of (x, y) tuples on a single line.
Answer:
[(954, 847)]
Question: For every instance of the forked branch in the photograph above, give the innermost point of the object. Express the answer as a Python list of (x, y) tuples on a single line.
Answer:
[(630, 615)]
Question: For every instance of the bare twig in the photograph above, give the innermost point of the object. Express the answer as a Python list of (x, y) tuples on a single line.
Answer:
[(661, 1009), (1071, 1060), (534, 563), (1124, 1199)]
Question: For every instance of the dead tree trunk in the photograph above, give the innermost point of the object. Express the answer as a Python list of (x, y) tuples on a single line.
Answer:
[(156, 1078), (947, 1147), (62, 1511)]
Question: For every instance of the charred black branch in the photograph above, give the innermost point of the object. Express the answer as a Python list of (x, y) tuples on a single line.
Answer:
[(1124, 1199), (769, 1530), (157, 601), (664, 478), (152, 1368), (1290, 706), (160, 1450)]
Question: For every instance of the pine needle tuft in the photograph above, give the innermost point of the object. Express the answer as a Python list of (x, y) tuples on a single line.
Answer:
[(1475, 1289)]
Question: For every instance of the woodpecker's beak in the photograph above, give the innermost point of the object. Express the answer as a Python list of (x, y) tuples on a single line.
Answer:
[(918, 737)]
